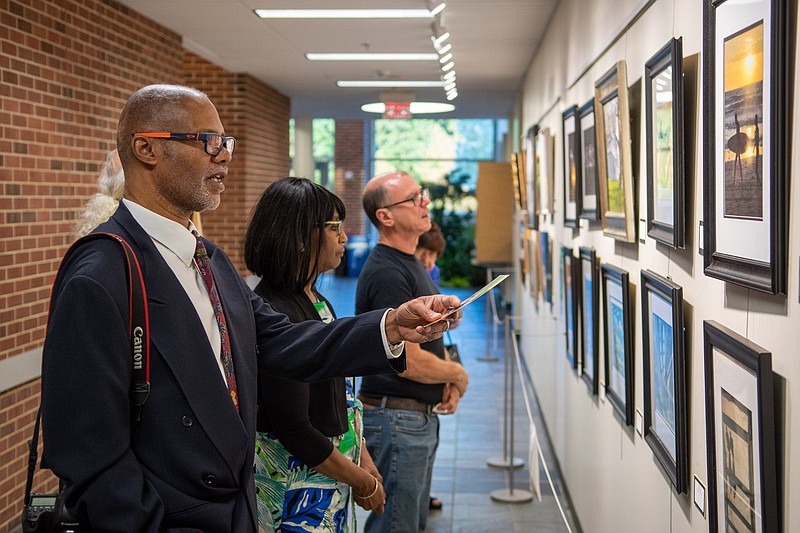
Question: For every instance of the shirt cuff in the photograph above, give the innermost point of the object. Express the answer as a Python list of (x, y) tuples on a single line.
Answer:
[(393, 351)]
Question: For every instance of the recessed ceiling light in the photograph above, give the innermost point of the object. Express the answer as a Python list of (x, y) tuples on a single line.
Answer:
[(438, 9), (343, 13), (449, 75), (444, 49), (372, 57), (448, 66), (445, 58), (416, 108), (389, 83)]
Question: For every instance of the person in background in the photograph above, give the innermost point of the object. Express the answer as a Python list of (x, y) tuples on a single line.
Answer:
[(186, 463), (401, 425), (429, 248), (309, 446)]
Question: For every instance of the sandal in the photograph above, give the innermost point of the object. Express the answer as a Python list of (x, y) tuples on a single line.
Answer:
[(435, 504)]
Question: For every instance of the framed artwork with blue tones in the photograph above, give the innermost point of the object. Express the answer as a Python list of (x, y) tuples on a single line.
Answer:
[(569, 304), (740, 433), (618, 335), (590, 317), (664, 372), (546, 246), (747, 70), (665, 148)]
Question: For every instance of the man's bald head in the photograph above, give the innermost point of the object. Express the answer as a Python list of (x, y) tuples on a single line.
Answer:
[(376, 193), (153, 108)]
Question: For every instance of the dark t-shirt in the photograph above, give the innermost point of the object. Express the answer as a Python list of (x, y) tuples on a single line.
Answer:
[(388, 279)]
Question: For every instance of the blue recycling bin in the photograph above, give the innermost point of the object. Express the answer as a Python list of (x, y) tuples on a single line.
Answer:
[(357, 251)]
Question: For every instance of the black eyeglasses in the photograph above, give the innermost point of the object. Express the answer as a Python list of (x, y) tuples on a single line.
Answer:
[(416, 199), (336, 225), (213, 142)]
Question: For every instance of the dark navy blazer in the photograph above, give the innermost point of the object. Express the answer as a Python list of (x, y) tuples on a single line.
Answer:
[(188, 464)]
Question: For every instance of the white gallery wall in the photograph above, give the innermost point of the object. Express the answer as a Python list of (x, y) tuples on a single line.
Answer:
[(612, 476)]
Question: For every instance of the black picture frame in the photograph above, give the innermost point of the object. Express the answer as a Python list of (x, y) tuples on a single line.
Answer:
[(546, 245), (571, 144), (740, 429), (618, 337), (590, 186), (615, 154), (589, 269), (746, 221), (666, 176), (664, 372), (570, 303)]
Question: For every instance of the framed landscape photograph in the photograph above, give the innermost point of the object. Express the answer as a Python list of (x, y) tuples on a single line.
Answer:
[(589, 185), (531, 198), (740, 433), (572, 168), (590, 319), (746, 116), (618, 334), (516, 182), (612, 123), (569, 302), (664, 372), (545, 173), (665, 148)]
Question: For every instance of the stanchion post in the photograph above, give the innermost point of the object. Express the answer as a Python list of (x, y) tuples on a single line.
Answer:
[(491, 330), (507, 460)]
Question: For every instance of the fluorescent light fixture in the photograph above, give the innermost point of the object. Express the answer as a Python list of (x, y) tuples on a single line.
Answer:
[(416, 108), (449, 86), (445, 58), (343, 13), (438, 9), (444, 49), (437, 41), (448, 66), (449, 75), (389, 83), (372, 57)]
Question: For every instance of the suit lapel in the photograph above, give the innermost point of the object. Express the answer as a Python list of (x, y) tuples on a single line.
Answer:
[(177, 336)]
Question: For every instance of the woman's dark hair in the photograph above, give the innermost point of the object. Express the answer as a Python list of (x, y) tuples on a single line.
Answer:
[(278, 241)]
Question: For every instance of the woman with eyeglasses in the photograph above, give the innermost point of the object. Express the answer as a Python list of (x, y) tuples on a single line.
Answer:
[(311, 461)]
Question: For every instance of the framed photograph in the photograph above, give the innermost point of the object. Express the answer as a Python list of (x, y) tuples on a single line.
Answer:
[(531, 198), (546, 246), (590, 319), (664, 371), (612, 122), (589, 184), (618, 334), (569, 302), (746, 115), (516, 183), (534, 265), (665, 149), (545, 173), (740, 433), (572, 168)]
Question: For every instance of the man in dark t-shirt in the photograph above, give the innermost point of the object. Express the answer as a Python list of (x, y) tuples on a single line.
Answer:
[(401, 426)]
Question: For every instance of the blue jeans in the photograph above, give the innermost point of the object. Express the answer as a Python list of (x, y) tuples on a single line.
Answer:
[(403, 445)]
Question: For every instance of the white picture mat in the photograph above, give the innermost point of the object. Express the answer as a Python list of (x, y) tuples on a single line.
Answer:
[(741, 383), (742, 238), (662, 309), (543, 151), (530, 177)]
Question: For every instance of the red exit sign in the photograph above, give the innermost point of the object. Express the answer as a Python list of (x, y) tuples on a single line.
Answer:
[(397, 110)]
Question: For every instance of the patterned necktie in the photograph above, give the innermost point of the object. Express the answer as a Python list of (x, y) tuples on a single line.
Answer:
[(204, 266)]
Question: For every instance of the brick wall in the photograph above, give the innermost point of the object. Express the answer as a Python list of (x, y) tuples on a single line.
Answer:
[(66, 69), (349, 161)]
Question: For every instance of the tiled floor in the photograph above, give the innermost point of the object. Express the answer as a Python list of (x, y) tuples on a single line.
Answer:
[(461, 478)]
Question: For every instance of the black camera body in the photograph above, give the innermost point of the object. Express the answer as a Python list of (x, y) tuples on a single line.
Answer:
[(46, 513)]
